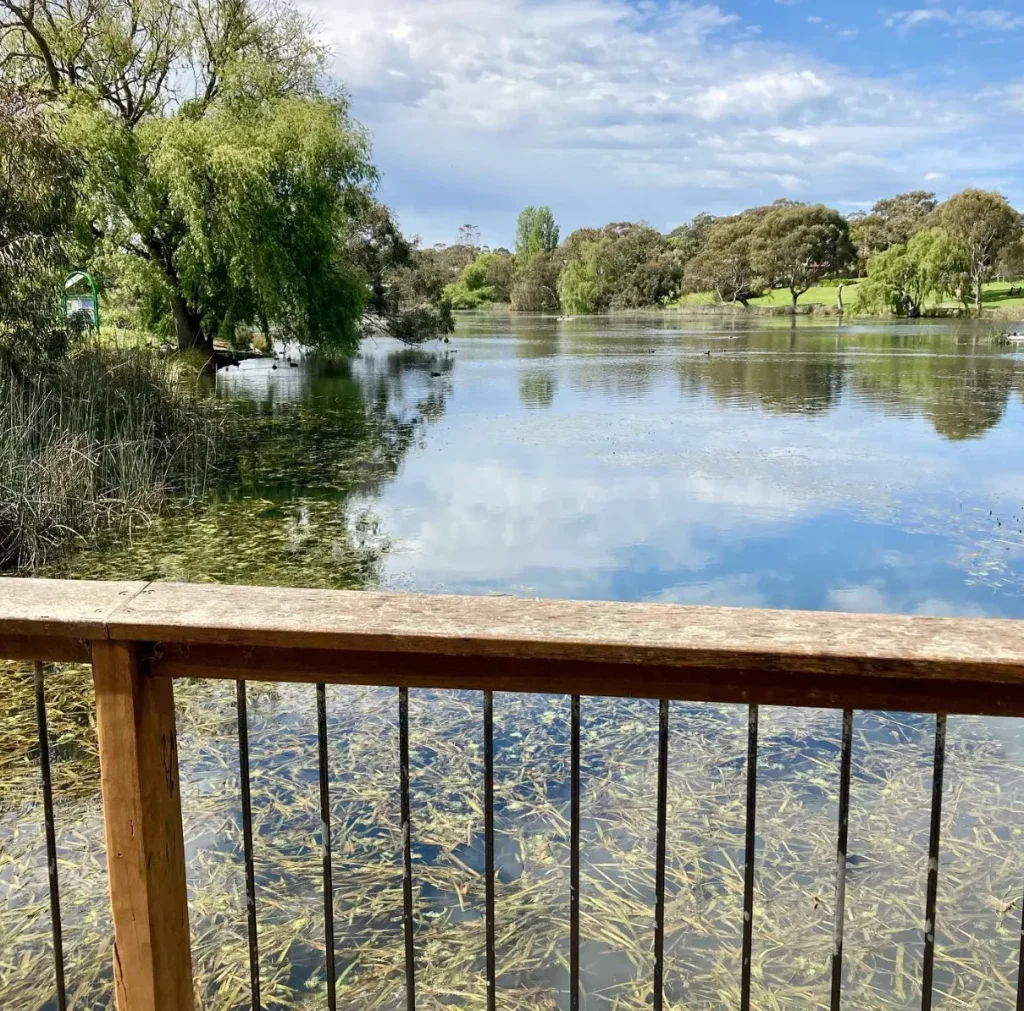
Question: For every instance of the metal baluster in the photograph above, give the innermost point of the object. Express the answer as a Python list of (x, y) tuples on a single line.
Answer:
[(845, 771), (1020, 965), (250, 875), (489, 844), (748, 865), (574, 858), (410, 947), (933, 863), (51, 839), (659, 865), (325, 836)]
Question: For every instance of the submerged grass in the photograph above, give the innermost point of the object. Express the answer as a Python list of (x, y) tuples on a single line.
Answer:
[(92, 444), (981, 873)]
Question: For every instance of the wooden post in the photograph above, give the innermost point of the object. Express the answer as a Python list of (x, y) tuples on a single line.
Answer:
[(145, 845)]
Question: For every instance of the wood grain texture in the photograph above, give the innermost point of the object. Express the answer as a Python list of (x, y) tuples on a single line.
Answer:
[(583, 677), (142, 818), (47, 648), (637, 637), (53, 619), (633, 634)]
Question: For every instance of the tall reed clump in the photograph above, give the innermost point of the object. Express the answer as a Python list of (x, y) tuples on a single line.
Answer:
[(93, 444)]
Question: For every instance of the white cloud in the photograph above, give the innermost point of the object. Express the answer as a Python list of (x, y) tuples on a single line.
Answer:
[(1014, 95), (960, 17), (607, 109)]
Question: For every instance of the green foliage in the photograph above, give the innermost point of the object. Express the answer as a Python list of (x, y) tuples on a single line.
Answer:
[(262, 193), (692, 237), (402, 303), (223, 185), (1011, 261), (894, 221), (931, 265), (622, 266), (493, 270), (460, 296), (486, 280), (984, 224), (723, 264), (536, 284), (579, 285), (37, 177), (796, 245), (536, 232)]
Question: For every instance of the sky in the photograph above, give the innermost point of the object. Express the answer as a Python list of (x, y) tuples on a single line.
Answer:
[(655, 110)]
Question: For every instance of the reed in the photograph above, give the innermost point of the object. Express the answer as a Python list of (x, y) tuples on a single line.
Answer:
[(94, 443)]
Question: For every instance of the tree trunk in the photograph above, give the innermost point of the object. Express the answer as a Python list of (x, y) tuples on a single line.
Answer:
[(187, 327), (977, 292), (795, 295), (839, 300)]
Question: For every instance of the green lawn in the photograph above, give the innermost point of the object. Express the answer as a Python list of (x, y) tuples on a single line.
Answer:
[(818, 295), (995, 296), (822, 294)]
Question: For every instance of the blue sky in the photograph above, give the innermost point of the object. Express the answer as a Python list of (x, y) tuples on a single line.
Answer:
[(654, 110)]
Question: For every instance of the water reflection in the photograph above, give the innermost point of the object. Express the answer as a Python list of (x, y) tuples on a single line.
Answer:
[(776, 463)]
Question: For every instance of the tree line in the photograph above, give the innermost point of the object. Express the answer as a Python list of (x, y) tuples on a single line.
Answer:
[(909, 251), (195, 157)]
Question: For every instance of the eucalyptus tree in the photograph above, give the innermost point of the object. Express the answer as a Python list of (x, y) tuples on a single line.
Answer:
[(724, 264), (892, 221), (797, 245), (985, 224)]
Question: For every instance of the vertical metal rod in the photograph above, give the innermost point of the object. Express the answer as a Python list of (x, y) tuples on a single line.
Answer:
[(574, 858), (410, 947), (489, 844), (325, 836), (845, 773), (933, 863), (250, 874), (659, 864), (51, 839), (1020, 966), (748, 862)]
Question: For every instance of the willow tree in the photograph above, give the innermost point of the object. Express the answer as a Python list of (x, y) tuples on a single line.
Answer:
[(37, 177), (932, 265), (219, 175)]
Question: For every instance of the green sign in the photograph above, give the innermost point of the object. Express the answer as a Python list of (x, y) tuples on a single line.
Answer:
[(82, 302)]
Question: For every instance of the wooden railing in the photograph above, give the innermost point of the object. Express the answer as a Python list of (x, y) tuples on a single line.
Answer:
[(140, 636)]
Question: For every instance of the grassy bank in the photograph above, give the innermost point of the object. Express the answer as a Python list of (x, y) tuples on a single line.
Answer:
[(997, 301), (95, 443)]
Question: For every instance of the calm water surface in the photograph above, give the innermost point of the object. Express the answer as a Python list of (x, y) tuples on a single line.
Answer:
[(785, 463), (757, 463)]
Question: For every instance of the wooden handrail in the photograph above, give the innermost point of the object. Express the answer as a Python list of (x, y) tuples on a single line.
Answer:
[(138, 636), (958, 665)]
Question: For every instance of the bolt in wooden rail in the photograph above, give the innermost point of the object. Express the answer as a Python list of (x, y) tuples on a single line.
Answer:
[(142, 817)]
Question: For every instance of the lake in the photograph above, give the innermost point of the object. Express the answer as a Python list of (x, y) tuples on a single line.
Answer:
[(746, 461)]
